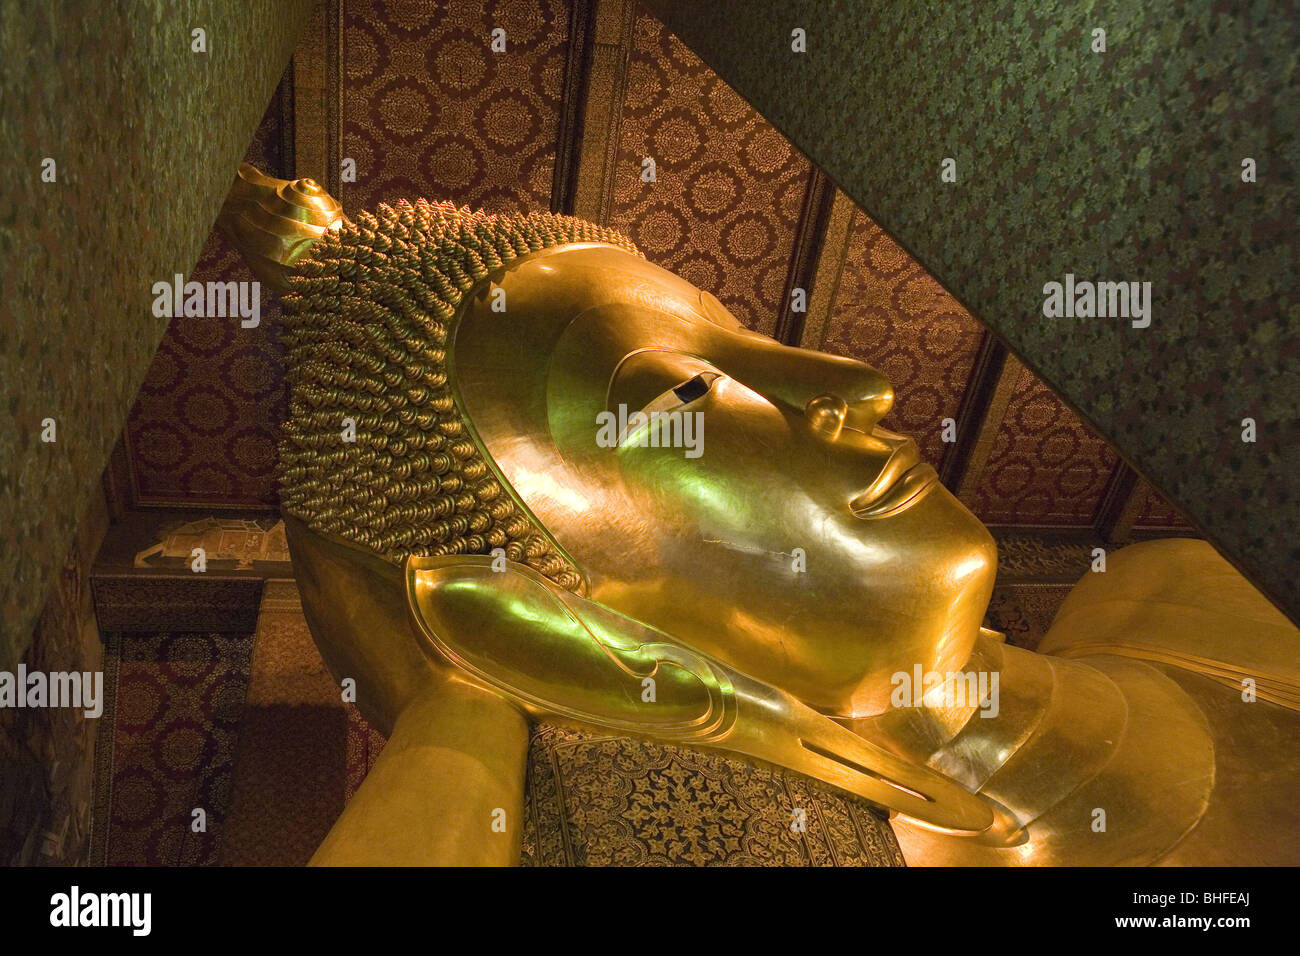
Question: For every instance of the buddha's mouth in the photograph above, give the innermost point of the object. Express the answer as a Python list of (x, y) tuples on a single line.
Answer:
[(907, 490), (903, 481)]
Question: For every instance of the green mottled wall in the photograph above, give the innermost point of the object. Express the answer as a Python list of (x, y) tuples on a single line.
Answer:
[(1123, 165), (146, 136)]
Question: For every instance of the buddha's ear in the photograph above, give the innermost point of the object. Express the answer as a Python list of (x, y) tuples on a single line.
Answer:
[(556, 653)]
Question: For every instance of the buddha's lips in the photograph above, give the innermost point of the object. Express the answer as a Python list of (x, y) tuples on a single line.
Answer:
[(910, 487), (901, 483)]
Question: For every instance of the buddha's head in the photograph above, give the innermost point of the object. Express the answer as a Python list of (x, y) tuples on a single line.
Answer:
[(491, 369)]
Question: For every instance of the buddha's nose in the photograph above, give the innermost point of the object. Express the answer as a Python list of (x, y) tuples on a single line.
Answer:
[(834, 389), (831, 414), (826, 413), (845, 393)]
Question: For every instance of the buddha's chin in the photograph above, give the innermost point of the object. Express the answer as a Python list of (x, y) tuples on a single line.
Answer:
[(968, 555)]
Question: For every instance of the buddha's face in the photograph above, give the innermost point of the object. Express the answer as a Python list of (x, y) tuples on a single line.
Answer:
[(780, 529)]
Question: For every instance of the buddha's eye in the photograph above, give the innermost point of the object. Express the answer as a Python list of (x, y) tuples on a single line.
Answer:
[(667, 404), (695, 387), (659, 380)]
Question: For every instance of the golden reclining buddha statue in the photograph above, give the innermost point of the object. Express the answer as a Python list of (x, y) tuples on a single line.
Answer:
[(529, 475)]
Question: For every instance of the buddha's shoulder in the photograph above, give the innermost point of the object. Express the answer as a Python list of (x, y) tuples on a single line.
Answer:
[(1178, 603)]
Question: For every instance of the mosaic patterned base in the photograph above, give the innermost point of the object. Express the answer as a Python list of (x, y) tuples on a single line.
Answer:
[(1024, 612), (47, 753), (612, 801), (138, 603), (1043, 557)]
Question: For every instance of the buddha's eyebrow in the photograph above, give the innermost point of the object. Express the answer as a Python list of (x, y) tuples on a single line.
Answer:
[(662, 349)]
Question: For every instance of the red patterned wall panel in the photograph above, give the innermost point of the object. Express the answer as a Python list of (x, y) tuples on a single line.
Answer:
[(1047, 467), (430, 111), (725, 205), (205, 424), (893, 315), (180, 699)]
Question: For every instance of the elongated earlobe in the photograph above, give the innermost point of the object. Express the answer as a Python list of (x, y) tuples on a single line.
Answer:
[(556, 653)]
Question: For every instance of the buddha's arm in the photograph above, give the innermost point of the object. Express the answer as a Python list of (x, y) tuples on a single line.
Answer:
[(446, 791), (456, 752), (1177, 602)]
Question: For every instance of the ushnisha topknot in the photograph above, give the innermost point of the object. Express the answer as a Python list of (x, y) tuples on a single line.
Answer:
[(366, 322)]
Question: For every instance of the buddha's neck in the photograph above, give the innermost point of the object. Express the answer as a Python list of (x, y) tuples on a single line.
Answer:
[(933, 710), (1038, 728), (1052, 733)]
